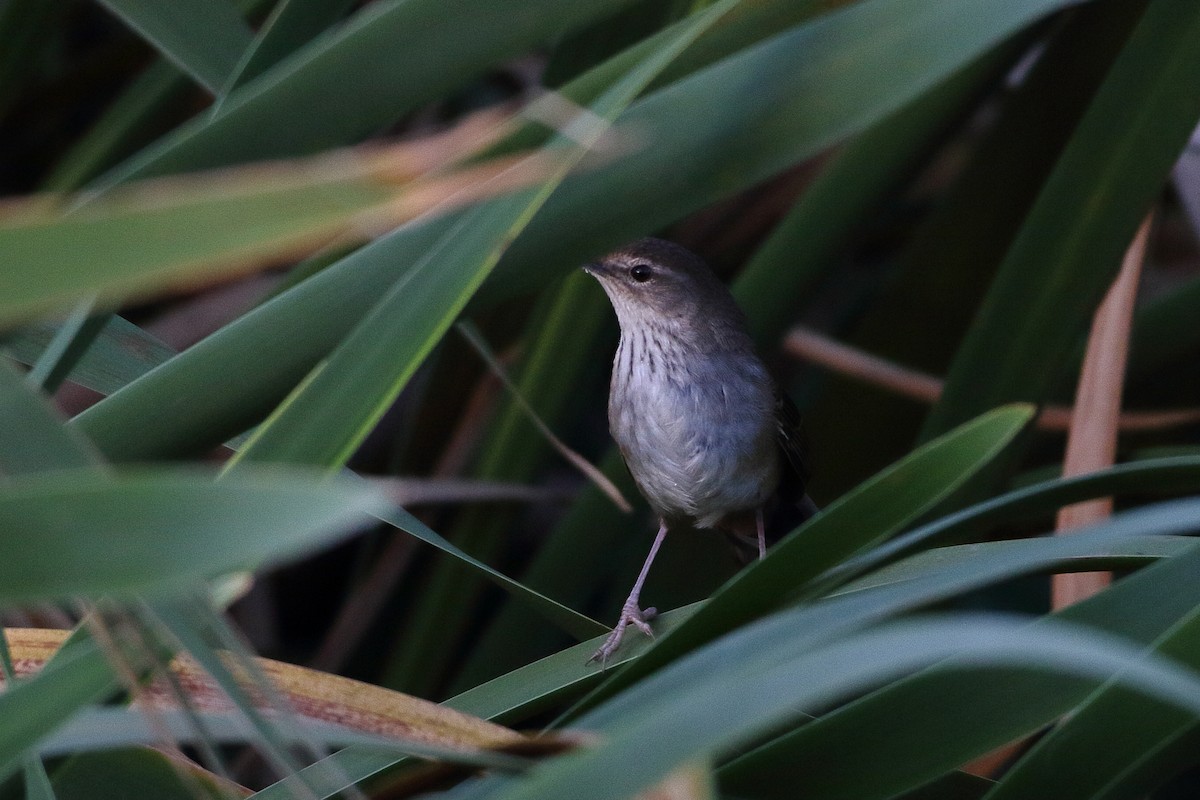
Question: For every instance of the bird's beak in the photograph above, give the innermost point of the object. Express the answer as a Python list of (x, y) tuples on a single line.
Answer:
[(592, 268)]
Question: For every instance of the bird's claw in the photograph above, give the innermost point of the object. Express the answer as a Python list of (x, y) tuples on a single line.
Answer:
[(630, 615)]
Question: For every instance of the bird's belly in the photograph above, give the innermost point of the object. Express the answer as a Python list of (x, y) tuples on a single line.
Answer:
[(697, 452)]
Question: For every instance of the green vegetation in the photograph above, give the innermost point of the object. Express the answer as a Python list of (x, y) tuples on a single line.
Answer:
[(948, 185)]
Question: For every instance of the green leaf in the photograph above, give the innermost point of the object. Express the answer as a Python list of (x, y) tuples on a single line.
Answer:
[(149, 238), (1071, 243), (133, 772), (292, 23), (1116, 744), (857, 521), (331, 775), (721, 698), (204, 38), (538, 687), (904, 755), (120, 354), (397, 54), (35, 439), (162, 532), (1130, 553), (33, 708), (923, 580), (1164, 475)]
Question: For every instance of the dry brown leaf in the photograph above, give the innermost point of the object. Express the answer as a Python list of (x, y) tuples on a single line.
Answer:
[(692, 782), (316, 695), (1092, 441), (816, 348)]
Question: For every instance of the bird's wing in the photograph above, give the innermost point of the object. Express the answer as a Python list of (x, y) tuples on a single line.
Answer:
[(790, 436)]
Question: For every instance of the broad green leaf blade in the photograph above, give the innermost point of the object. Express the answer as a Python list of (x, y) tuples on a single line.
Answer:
[(160, 235), (1071, 243), (37, 782), (35, 440), (1165, 475), (720, 701), (141, 772), (857, 521), (1116, 744), (1140, 608), (1128, 554), (924, 580), (121, 353), (396, 54), (329, 414), (544, 684), (162, 532), (292, 23), (794, 75), (204, 38)]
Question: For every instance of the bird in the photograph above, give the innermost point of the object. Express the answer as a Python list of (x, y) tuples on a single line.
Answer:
[(708, 438)]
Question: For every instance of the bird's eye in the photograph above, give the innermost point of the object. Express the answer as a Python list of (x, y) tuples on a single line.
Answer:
[(641, 272)]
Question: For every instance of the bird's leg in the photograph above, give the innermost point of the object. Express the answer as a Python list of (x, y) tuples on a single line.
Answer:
[(762, 533), (631, 612)]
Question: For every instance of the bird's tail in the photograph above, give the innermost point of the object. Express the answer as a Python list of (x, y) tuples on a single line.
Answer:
[(784, 518)]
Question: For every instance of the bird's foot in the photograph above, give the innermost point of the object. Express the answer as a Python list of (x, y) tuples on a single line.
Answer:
[(630, 615)]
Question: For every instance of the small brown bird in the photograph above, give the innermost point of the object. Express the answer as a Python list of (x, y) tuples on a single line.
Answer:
[(708, 438)]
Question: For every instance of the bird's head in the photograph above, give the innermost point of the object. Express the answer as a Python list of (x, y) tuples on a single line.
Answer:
[(656, 282)]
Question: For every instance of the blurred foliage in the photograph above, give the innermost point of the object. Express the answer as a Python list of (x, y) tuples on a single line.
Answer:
[(237, 237)]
